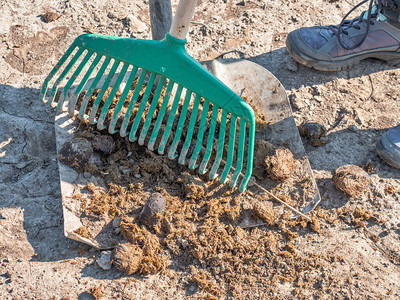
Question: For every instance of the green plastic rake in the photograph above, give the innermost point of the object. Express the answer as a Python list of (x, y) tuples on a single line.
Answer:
[(156, 66)]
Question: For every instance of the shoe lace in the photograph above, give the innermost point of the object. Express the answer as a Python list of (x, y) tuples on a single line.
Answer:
[(373, 13)]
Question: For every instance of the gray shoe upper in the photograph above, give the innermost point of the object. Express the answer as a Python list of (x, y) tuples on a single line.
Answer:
[(394, 135), (321, 42), (381, 35)]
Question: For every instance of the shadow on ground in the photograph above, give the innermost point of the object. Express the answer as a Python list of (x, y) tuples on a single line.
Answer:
[(30, 202)]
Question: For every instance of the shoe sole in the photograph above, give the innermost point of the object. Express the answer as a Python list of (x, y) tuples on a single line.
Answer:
[(391, 58), (387, 156)]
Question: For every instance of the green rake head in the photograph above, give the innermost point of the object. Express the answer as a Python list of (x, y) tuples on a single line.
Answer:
[(162, 84)]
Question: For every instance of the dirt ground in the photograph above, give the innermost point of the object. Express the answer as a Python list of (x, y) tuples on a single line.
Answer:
[(353, 260)]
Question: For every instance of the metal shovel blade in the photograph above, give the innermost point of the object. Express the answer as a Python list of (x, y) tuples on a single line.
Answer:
[(268, 98), (264, 92)]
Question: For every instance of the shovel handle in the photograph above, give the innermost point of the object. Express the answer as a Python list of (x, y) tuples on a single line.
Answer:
[(182, 18)]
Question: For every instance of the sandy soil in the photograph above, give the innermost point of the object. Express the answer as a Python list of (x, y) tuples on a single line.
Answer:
[(356, 106)]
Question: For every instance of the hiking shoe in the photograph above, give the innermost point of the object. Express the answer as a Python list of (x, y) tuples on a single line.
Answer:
[(388, 147), (375, 33)]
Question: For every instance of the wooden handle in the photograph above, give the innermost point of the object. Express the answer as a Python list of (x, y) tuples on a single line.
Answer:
[(182, 18)]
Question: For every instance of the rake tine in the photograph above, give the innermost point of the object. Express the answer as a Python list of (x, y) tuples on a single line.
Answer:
[(73, 77), (64, 73), (110, 97), (85, 78), (211, 132), (92, 87), (200, 134), (232, 133), (142, 106), (221, 138), (178, 133), (54, 71), (117, 112), (170, 120), (239, 166), (189, 132), (110, 75), (160, 117), (132, 103), (152, 108), (250, 152)]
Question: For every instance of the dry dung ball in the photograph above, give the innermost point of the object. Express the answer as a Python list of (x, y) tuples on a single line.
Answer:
[(152, 210), (351, 180), (264, 211), (76, 153), (104, 143), (314, 132), (127, 258), (280, 164)]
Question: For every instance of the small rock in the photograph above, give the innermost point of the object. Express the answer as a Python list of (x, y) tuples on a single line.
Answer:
[(135, 24), (50, 16), (280, 164), (104, 143), (111, 15), (116, 222), (314, 132), (351, 180), (104, 261), (127, 258), (183, 242), (22, 164), (137, 175), (192, 288), (152, 210), (353, 128), (76, 153)]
